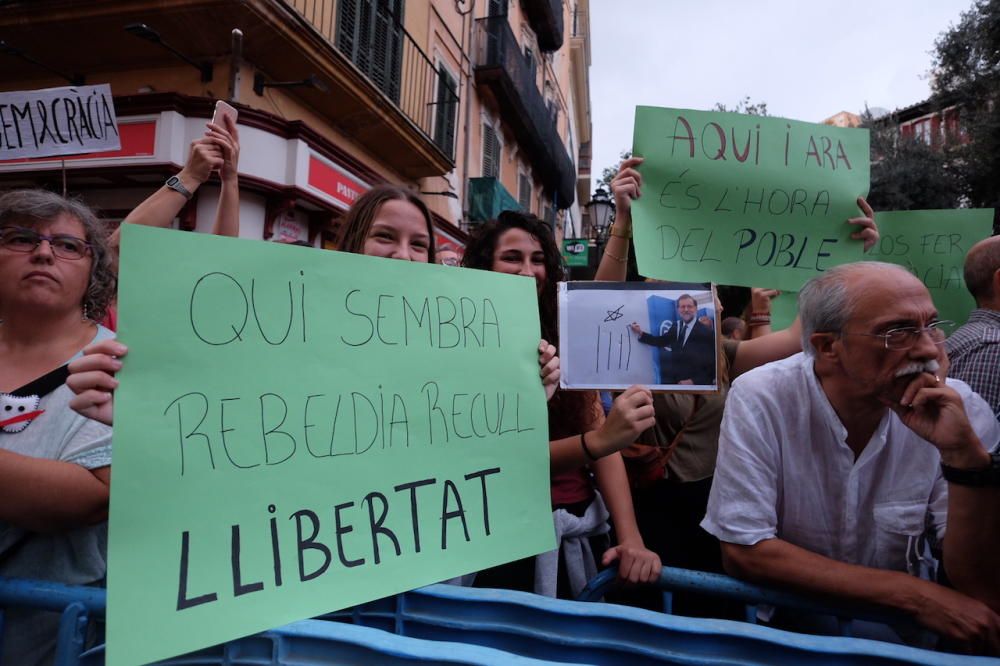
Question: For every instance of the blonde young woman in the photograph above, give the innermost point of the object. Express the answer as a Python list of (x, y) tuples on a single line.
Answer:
[(387, 221)]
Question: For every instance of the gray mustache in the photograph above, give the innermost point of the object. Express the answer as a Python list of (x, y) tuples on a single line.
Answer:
[(931, 366)]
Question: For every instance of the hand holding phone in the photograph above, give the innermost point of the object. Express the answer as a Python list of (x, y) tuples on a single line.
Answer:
[(222, 110), (226, 137)]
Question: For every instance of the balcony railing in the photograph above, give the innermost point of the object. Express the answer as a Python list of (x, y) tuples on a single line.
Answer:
[(546, 18), (501, 67), (376, 42)]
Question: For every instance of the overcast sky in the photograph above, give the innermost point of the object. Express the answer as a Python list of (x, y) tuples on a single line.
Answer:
[(806, 59)]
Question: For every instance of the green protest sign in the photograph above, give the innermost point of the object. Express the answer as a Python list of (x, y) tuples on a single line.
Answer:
[(576, 251), (297, 431), (784, 309), (745, 200), (932, 245)]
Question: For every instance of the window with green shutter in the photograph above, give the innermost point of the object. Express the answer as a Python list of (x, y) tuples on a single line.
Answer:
[(524, 191), (491, 152), (445, 111), (370, 33)]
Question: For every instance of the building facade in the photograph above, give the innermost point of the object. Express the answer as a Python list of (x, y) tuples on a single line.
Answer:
[(929, 124), (476, 105)]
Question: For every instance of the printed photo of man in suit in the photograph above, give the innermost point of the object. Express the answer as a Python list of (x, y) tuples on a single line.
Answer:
[(690, 343)]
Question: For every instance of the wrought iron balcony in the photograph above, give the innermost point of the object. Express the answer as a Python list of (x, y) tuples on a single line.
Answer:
[(371, 36), (546, 18), (501, 68)]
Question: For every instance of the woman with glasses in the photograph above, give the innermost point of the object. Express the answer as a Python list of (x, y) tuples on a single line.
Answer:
[(55, 283)]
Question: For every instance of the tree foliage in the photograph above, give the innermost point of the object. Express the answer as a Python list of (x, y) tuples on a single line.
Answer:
[(906, 173), (608, 174), (746, 106), (966, 74)]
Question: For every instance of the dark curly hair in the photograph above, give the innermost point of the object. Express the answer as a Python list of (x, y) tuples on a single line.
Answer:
[(29, 208), (358, 221), (570, 412), (483, 244)]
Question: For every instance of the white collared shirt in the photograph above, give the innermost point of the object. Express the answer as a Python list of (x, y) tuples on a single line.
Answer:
[(784, 470)]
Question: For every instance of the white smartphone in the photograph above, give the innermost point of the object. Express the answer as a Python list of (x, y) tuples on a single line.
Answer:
[(223, 109)]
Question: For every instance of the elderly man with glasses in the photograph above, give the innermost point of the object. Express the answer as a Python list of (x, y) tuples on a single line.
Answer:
[(845, 470)]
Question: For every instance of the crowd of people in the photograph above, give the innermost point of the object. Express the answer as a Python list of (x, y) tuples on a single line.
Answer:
[(840, 457)]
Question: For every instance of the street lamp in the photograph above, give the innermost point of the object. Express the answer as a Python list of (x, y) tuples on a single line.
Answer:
[(143, 31), (602, 212)]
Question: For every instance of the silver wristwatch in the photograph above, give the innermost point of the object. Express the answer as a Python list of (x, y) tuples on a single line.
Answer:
[(176, 185)]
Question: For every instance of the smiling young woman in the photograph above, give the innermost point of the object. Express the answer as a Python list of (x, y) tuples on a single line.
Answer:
[(581, 438), (389, 221)]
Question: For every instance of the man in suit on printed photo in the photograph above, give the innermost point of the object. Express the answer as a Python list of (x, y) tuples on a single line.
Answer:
[(691, 347)]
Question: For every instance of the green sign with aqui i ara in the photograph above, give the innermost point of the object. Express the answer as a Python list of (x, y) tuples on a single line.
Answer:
[(298, 431), (576, 251), (745, 200)]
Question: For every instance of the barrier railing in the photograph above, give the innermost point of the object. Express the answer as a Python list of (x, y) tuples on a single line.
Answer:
[(78, 605), (453, 625), (752, 596)]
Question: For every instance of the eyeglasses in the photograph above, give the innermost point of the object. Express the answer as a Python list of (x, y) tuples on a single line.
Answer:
[(19, 239), (906, 337)]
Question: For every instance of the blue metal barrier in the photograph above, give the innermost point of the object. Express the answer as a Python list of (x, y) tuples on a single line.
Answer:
[(306, 643), (317, 643), (598, 633), (77, 604), (449, 624), (673, 580)]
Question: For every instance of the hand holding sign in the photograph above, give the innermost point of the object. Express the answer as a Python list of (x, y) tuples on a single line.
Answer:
[(869, 230), (549, 360), (92, 379), (626, 186), (298, 431)]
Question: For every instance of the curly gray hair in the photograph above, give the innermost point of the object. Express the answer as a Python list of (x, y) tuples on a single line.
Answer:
[(30, 207)]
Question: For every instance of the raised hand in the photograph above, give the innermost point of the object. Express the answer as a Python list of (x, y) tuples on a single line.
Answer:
[(204, 157), (227, 139), (760, 298), (631, 414), (626, 185), (868, 230)]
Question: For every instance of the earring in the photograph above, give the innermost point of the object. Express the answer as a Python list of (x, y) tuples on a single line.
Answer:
[(86, 313)]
